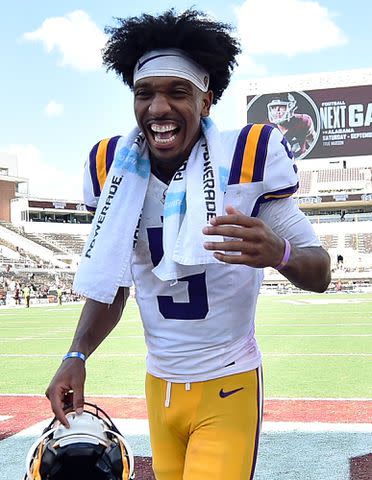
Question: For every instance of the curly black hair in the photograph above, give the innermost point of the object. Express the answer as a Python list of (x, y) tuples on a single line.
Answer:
[(208, 42)]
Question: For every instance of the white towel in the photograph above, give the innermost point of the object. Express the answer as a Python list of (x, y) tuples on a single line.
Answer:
[(195, 194), (108, 251)]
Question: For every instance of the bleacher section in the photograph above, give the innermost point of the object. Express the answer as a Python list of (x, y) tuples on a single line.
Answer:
[(361, 242), (314, 182), (305, 182), (329, 241), (337, 201), (341, 175), (69, 243), (18, 258), (367, 242), (353, 240), (31, 236), (32, 252)]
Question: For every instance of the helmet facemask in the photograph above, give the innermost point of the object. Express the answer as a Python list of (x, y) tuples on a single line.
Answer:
[(91, 448)]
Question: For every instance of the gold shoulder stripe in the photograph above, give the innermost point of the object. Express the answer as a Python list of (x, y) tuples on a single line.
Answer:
[(249, 155), (101, 161), (283, 195)]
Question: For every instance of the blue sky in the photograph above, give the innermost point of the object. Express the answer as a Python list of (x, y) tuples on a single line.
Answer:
[(57, 101)]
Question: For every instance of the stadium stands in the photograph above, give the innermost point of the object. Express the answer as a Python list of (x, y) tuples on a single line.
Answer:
[(361, 242), (46, 235), (329, 241), (339, 175), (354, 179), (69, 243)]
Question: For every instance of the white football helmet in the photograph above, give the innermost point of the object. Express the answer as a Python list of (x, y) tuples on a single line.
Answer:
[(92, 448), (281, 108)]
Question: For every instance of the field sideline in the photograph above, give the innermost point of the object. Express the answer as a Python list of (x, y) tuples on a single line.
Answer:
[(314, 346), (317, 366)]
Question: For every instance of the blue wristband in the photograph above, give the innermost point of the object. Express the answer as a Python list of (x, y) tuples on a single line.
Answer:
[(74, 355)]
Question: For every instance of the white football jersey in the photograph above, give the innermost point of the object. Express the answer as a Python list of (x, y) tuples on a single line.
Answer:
[(201, 327)]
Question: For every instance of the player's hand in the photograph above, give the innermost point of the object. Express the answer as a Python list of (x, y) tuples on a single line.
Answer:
[(67, 389), (250, 240)]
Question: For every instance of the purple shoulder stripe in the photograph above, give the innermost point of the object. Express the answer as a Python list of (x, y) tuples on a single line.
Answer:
[(90, 209), (93, 170), (236, 165), (267, 197), (261, 152), (111, 151)]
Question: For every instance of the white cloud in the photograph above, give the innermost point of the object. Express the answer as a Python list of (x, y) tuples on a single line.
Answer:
[(45, 180), (75, 36), (248, 66), (53, 109), (286, 27), (231, 112)]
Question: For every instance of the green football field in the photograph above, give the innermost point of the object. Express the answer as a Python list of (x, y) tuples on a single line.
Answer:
[(314, 346)]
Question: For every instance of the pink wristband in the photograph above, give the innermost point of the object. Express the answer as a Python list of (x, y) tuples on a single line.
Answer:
[(286, 255)]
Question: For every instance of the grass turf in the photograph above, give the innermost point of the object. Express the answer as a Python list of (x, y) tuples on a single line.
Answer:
[(313, 346)]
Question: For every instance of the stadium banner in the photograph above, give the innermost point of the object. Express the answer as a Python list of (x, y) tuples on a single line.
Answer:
[(333, 122)]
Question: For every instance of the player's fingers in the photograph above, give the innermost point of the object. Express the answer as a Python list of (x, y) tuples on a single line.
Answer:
[(78, 398), (57, 404), (228, 231), (235, 218), (230, 210), (232, 246), (242, 259)]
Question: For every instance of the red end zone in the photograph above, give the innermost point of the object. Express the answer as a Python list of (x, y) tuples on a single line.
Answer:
[(25, 411)]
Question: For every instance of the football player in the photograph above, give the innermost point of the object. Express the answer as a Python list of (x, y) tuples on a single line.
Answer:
[(191, 216), (298, 128)]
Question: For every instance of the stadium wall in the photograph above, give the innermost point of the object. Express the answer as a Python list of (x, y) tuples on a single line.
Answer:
[(7, 193), (51, 227)]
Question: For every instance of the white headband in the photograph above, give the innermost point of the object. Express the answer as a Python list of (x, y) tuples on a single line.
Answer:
[(171, 63)]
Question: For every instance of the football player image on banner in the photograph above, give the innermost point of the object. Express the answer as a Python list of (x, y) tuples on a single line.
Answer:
[(294, 114), (298, 128), (324, 123)]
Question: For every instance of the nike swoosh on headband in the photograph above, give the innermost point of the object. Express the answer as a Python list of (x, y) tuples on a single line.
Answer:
[(171, 62), (141, 64)]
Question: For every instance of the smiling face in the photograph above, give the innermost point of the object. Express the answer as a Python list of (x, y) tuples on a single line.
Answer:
[(168, 111)]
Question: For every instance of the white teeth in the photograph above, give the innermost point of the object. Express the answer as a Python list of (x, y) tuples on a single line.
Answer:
[(164, 140), (162, 128)]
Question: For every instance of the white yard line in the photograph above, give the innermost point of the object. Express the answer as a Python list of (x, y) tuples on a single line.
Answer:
[(10, 339), (314, 335), (5, 417), (346, 324), (132, 427), (40, 395), (317, 354), (295, 399), (326, 301), (36, 355), (107, 355), (274, 427)]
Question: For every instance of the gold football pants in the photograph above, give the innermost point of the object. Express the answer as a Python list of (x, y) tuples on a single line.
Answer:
[(205, 429)]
